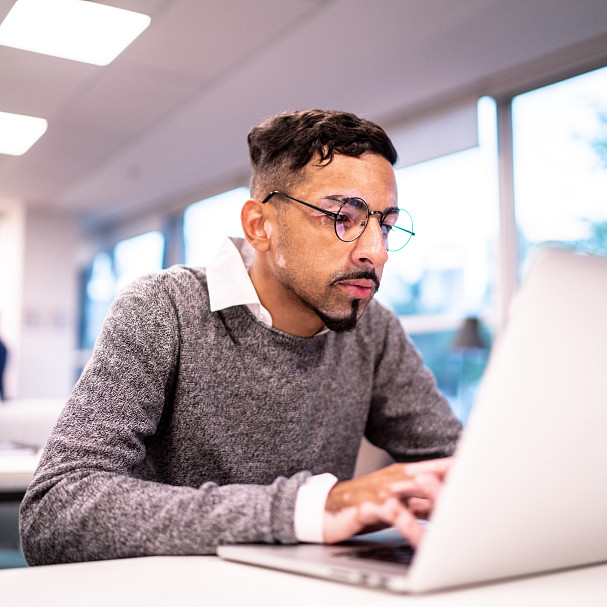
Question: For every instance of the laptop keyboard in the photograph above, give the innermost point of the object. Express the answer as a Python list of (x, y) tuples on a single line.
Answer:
[(401, 554)]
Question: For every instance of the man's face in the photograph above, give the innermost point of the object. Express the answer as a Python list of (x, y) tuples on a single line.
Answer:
[(317, 272)]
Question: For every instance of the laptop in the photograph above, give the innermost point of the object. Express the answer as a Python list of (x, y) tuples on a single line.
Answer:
[(528, 489)]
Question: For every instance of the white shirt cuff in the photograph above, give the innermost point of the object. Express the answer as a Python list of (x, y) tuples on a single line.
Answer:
[(310, 507)]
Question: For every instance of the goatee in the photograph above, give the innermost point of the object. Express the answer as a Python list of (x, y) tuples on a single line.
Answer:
[(342, 324)]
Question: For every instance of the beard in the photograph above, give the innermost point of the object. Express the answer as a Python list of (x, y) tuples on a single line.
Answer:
[(345, 322), (340, 324), (337, 314)]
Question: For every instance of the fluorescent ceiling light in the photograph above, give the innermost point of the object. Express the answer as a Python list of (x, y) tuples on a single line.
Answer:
[(72, 29), (19, 133)]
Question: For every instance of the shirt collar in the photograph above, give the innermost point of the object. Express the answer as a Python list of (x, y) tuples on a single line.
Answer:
[(228, 280), (229, 283)]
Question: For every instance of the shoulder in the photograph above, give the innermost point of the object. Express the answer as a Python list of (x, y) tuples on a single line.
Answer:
[(164, 294), (175, 282), (178, 275)]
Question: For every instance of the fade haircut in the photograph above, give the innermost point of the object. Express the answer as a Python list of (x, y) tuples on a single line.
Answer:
[(282, 146)]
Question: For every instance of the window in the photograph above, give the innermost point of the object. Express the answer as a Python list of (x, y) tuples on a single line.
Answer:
[(447, 267), (447, 272), (137, 256), (209, 222), (100, 289), (560, 165), (108, 273)]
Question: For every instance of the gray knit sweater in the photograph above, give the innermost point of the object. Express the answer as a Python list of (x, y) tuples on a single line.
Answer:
[(190, 428)]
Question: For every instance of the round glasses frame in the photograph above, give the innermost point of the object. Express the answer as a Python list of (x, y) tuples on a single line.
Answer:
[(337, 215)]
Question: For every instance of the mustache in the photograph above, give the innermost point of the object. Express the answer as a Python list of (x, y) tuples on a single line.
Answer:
[(358, 275)]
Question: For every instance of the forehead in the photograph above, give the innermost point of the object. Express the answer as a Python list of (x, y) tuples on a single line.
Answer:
[(369, 176)]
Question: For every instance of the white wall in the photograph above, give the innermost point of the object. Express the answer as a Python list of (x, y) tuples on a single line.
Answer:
[(12, 233), (38, 301)]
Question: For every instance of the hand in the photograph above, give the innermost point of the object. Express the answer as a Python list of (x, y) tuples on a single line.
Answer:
[(397, 495)]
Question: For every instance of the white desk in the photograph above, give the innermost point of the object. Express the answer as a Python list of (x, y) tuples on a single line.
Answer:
[(200, 580), (16, 471), (28, 423)]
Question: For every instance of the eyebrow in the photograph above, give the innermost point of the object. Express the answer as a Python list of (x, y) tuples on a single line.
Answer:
[(341, 198), (338, 197)]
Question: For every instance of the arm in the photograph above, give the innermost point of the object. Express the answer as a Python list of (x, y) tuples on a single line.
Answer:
[(94, 495), (412, 421)]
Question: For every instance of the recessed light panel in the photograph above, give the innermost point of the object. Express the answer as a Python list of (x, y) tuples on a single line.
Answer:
[(18, 133), (72, 29)]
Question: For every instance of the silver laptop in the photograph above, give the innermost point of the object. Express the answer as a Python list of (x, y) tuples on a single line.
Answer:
[(528, 490)]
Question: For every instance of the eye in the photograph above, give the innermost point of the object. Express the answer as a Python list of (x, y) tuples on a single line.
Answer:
[(353, 211), (390, 220), (343, 218)]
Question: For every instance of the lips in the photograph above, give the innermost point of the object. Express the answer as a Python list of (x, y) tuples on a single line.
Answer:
[(358, 288)]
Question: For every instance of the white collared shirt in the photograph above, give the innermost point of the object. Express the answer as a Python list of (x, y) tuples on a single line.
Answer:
[(228, 280), (229, 285)]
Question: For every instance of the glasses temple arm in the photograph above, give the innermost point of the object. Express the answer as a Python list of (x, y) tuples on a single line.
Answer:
[(403, 229), (329, 213)]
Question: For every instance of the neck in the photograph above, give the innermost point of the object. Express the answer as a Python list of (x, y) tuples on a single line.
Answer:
[(288, 313)]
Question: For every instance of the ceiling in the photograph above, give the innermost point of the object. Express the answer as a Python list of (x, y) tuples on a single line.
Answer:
[(165, 123)]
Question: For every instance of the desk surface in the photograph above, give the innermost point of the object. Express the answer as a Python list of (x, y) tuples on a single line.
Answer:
[(161, 581), (16, 470)]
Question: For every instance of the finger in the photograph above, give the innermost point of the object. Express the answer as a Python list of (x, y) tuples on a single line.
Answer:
[(393, 512), (423, 486), (338, 526), (424, 483), (410, 528), (438, 467), (406, 489), (420, 508)]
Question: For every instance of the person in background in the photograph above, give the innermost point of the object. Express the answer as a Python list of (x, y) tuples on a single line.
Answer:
[(227, 404), (3, 358)]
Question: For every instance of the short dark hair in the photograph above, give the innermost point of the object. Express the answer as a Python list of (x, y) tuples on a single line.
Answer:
[(282, 146)]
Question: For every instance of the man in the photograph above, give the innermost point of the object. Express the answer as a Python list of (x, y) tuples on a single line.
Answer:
[(222, 406)]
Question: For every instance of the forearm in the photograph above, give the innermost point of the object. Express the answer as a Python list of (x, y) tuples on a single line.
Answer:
[(92, 515)]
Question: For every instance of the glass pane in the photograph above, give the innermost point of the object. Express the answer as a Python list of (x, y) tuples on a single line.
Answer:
[(447, 271), (137, 256), (209, 222), (100, 291), (449, 265), (132, 258), (560, 165)]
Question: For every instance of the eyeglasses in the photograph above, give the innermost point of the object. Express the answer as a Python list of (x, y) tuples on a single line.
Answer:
[(352, 216)]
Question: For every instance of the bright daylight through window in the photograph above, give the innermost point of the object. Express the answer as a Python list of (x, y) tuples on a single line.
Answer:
[(130, 259), (209, 222), (560, 165), (447, 273)]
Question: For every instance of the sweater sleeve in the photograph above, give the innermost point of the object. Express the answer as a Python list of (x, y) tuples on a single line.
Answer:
[(90, 498), (409, 417)]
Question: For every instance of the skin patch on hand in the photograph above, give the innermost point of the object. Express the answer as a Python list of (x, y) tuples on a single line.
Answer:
[(373, 488)]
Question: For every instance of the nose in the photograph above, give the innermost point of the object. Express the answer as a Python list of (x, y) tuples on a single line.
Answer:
[(370, 249)]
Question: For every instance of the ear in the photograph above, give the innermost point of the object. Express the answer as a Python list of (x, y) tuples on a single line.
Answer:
[(257, 220)]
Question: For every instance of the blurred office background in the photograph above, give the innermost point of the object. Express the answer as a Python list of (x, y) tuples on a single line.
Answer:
[(498, 109)]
